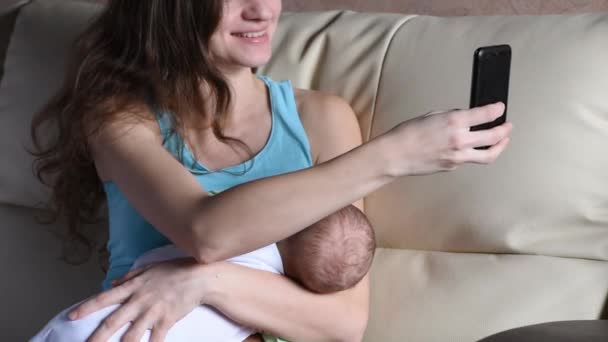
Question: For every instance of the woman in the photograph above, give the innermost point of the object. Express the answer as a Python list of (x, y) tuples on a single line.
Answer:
[(160, 94)]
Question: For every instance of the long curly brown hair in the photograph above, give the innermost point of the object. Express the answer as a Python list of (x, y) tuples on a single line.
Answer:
[(131, 53)]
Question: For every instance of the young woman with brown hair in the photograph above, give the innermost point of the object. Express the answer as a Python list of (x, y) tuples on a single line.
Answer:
[(160, 108)]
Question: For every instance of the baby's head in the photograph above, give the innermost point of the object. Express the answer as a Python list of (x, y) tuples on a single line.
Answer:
[(332, 254)]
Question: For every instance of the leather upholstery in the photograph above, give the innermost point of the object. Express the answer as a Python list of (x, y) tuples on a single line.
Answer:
[(8, 15)]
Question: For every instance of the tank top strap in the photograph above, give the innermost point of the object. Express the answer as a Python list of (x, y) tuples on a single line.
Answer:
[(165, 123), (282, 95), (284, 102)]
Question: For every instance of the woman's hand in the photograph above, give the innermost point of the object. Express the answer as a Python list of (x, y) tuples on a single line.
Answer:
[(441, 141), (153, 297)]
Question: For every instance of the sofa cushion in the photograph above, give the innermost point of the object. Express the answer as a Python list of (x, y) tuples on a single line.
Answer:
[(548, 193), (462, 297), (33, 72)]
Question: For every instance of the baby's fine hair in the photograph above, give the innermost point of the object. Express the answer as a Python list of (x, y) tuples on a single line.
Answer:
[(334, 253)]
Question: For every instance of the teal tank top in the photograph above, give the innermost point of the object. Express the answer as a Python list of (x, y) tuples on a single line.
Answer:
[(286, 150)]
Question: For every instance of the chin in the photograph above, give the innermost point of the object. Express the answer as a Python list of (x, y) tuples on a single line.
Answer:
[(255, 62)]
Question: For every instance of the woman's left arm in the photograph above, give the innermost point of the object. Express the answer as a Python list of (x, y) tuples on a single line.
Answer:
[(274, 304), (158, 296)]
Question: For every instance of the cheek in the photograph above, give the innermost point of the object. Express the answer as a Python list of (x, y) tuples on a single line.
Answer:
[(216, 46), (213, 45), (277, 10), (278, 6)]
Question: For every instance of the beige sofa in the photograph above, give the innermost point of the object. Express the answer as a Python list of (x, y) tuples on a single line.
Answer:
[(461, 255)]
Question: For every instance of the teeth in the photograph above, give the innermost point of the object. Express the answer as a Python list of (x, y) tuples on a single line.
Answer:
[(250, 34)]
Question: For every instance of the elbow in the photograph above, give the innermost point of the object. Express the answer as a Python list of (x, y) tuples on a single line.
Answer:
[(358, 333), (354, 329), (359, 325), (205, 255), (205, 251), (202, 247), (354, 336)]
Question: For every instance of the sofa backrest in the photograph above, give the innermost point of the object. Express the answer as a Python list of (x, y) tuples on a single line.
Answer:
[(505, 245), (547, 194), (33, 71), (8, 16)]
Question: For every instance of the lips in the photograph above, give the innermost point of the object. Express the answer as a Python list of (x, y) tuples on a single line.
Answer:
[(252, 36), (249, 34)]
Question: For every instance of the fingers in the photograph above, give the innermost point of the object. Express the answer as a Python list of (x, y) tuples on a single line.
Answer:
[(441, 111), (112, 323), (160, 330), (152, 320), (490, 155), (139, 327), (479, 115), (487, 137), (130, 275), (115, 295)]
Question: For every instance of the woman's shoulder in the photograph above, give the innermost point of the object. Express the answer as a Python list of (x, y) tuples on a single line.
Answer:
[(322, 114), (124, 128), (314, 101)]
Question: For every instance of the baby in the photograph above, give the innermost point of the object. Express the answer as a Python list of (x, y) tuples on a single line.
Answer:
[(330, 255)]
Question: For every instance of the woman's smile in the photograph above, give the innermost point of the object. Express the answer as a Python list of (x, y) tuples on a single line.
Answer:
[(252, 37)]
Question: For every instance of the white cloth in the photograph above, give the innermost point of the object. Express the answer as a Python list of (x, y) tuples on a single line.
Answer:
[(204, 323)]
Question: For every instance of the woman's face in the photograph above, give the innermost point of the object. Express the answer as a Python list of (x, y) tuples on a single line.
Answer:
[(244, 35)]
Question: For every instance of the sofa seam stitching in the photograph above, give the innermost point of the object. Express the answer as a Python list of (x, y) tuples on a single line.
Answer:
[(404, 21)]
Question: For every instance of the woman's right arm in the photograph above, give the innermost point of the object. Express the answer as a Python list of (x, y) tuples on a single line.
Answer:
[(219, 227), (213, 228)]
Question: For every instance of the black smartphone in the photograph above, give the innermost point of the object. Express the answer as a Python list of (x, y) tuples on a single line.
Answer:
[(490, 84)]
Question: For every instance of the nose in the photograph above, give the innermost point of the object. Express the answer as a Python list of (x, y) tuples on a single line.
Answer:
[(259, 10)]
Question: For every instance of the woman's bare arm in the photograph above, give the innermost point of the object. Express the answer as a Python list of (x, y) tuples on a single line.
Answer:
[(219, 227), (276, 305)]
